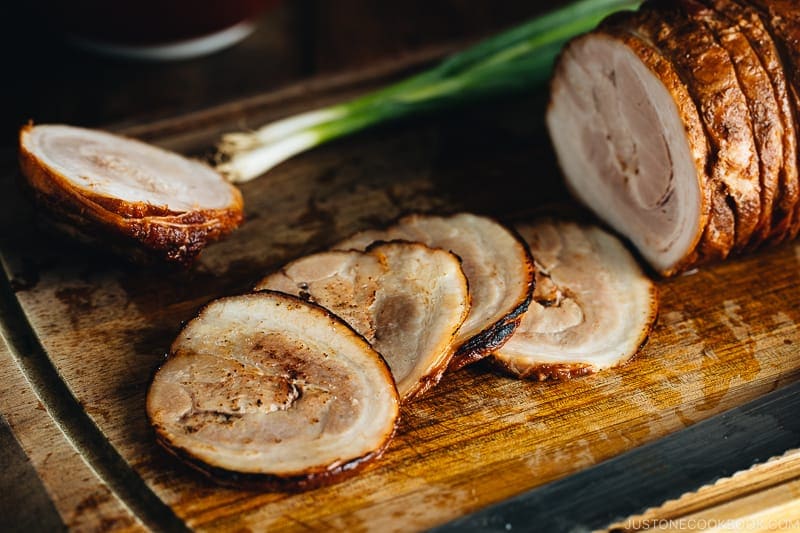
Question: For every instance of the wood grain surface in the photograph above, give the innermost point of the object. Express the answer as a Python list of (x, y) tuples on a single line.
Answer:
[(99, 326)]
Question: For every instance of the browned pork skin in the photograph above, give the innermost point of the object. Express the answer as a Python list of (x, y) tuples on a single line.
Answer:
[(498, 266), (782, 17), (750, 23), (406, 299), (135, 197), (631, 144), (266, 390), (762, 107), (593, 307)]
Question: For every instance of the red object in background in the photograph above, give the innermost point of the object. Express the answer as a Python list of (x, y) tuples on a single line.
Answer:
[(156, 29)]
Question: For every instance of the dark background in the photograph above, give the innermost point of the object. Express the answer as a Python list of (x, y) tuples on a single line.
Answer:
[(48, 80)]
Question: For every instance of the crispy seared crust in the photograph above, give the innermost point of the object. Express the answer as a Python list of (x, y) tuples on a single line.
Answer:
[(492, 338), (488, 340), (751, 23), (273, 483), (161, 237), (129, 209), (782, 18), (176, 237), (757, 89)]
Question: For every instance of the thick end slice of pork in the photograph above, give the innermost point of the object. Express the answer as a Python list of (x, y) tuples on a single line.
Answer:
[(131, 196), (498, 266), (406, 299), (631, 144), (593, 307), (269, 391)]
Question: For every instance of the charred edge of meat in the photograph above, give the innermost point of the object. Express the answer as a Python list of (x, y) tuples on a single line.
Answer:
[(64, 220), (482, 345), (784, 27), (146, 242), (140, 210), (767, 49), (757, 88), (129, 209), (93, 235), (272, 482), (492, 338), (178, 239), (783, 30), (744, 206)]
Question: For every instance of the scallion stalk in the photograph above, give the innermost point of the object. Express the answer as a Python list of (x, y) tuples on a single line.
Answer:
[(510, 62)]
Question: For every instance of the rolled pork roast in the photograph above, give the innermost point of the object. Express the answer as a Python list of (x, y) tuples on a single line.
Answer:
[(676, 125)]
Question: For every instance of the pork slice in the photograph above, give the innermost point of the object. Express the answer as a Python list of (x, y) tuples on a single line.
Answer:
[(406, 299), (497, 264), (125, 175), (265, 390), (65, 178), (593, 307)]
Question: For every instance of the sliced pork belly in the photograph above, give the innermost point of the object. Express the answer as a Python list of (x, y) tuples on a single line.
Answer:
[(593, 307), (406, 299), (746, 19), (782, 18), (131, 195), (631, 144), (269, 391), (763, 109), (497, 264)]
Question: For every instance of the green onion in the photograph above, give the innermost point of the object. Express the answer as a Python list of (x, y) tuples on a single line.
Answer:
[(507, 63)]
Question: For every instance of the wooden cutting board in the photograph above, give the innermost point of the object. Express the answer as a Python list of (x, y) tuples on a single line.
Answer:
[(85, 333)]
